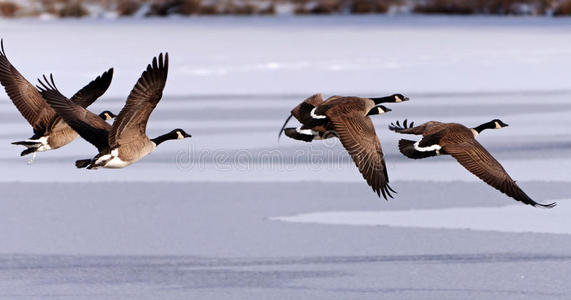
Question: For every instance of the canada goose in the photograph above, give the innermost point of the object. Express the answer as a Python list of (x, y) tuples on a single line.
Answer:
[(50, 131), (460, 142), (306, 111), (125, 142), (348, 119)]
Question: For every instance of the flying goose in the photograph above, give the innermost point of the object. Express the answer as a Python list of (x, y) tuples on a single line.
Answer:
[(126, 141), (50, 131), (306, 114), (460, 142), (348, 119)]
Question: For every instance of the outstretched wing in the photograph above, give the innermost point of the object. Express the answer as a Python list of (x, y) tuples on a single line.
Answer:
[(358, 136), (476, 159), (93, 90), (24, 95), (87, 124), (132, 120), (87, 95), (409, 128)]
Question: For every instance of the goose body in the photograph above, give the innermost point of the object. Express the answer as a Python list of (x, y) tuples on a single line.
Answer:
[(125, 142), (312, 114), (50, 131), (57, 136), (125, 155), (460, 142), (348, 119)]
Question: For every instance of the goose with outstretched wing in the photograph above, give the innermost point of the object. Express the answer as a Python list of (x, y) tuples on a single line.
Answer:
[(126, 141)]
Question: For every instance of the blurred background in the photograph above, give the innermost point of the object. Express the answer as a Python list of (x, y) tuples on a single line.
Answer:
[(146, 8)]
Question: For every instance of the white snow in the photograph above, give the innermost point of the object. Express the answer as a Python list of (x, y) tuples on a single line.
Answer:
[(513, 218)]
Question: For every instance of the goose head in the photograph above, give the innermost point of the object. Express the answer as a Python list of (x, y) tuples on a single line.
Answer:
[(493, 124), (107, 115), (398, 98), (179, 134), (378, 110), (394, 98), (498, 124), (176, 134)]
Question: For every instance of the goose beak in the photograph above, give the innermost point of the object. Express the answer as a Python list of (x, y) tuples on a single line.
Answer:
[(406, 98), (387, 109), (186, 135)]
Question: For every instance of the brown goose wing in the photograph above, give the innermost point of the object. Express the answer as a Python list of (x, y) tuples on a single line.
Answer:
[(87, 95), (131, 122), (303, 110), (93, 90), (358, 136), (87, 124), (24, 95), (476, 159)]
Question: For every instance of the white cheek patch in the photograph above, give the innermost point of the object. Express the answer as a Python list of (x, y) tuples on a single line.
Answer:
[(398, 99), (498, 125), (313, 115), (179, 135), (434, 147)]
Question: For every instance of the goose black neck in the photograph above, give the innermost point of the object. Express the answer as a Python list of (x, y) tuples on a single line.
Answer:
[(161, 138), (484, 126), (383, 99)]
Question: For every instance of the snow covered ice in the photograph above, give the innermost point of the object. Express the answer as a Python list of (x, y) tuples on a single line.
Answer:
[(204, 218)]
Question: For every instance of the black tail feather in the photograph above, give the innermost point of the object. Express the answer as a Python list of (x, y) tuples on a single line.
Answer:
[(397, 126), (406, 147), (26, 143), (82, 163), (292, 133), (29, 151), (550, 205)]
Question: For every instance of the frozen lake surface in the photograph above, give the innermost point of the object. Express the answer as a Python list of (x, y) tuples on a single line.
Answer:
[(204, 217)]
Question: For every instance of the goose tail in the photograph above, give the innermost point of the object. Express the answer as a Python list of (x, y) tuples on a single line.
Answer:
[(82, 163), (296, 135), (29, 151), (27, 143), (407, 148)]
